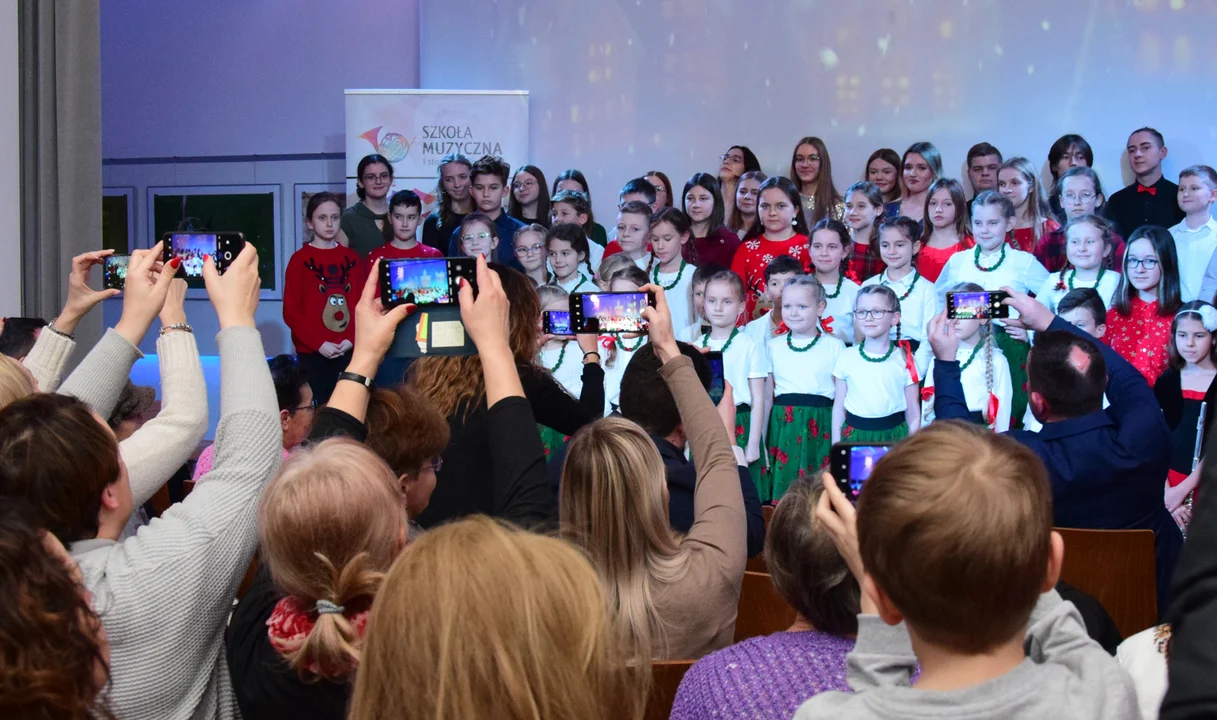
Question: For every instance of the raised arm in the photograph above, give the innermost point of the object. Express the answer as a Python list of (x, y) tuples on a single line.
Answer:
[(98, 380), (719, 522), (164, 443)]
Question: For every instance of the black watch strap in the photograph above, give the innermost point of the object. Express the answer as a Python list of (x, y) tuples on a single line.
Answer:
[(356, 377)]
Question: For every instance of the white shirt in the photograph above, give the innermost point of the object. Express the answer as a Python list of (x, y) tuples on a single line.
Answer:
[(612, 375), (595, 255), (577, 283), (1144, 657), (1050, 296), (692, 332), (1020, 270), (874, 389), (975, 389), (680, 295), (564, 361), (761, 330), (841, 309), (917, 309), (744, 360), (1195, 249), (808, 372)]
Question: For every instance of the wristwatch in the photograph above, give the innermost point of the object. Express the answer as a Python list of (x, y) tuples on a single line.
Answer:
[(356, 377)]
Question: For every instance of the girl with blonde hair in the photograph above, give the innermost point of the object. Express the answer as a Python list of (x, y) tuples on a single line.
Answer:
[(16, 381), (669, 597), (455, 633)]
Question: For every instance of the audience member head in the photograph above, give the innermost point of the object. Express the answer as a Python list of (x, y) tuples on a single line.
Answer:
[(297, 406), (19, 335), (920, 166), (455, 633), (1066, 376), (455, 383), (645, 397), (529, 186), (1192, 336), (663, 189), (1084, 308), (1069, 151), (955, 533), (411, 436), (702, 201), (373, 177), (54, 654), (883, 169), (131, 412), (984, 160), (62, 459), (613, 502), (1151, 272), (638, 190), (807, 570), (330, 524), (16, 381)]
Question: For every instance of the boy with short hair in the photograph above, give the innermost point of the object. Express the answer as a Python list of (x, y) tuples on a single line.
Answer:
[(1196, 236), (1151, 199), (401, 241), (488, 180), (633, 233), (637, 190), (953, 536), (984, 161), (777, 273)]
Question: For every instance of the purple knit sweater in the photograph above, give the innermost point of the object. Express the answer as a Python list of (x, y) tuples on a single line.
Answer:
[(763, 678)]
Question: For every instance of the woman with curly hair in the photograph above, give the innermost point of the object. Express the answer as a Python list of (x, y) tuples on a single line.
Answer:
[(54, 656)]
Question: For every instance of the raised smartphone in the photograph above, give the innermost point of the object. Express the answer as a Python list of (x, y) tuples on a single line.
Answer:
[(114, 272), (425, 281), (718, 381), (977, 305), (851, 465), (609, 312), (223, 247), (556, 322)]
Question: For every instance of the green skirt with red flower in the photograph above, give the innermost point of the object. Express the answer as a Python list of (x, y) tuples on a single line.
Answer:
[(890, 429), (743, 423), (800, 436), (551, 440), (1016, 352)]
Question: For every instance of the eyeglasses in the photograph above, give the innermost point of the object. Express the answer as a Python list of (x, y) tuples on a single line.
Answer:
[(471, 237), (525, 185), (876, 314), (1084, 197), (312, 406), (1147, 263), (530, 250), (732, 158), (381, 177), (436, 464)]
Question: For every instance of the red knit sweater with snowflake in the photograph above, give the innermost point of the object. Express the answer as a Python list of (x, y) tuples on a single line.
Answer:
[(320, 290)]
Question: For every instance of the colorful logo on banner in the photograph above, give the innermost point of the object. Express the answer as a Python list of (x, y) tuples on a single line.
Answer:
[(393, 145)]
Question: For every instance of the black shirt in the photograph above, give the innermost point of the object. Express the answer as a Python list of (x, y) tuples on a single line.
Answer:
[(1134, 206), (436, 236)]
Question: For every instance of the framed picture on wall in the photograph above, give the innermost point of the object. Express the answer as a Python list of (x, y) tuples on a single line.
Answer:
[(253, 210), (301, 192), (118, 219)]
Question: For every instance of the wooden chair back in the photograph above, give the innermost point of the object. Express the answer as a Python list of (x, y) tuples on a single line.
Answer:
[(1116, 567), (762, 611), (665, 679)]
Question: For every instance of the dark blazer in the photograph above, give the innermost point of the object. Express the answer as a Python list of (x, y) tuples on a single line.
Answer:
[(1169, 391), (1108, 467), (682, 479)]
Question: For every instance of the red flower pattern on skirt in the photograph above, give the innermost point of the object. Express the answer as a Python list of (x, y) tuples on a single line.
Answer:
[(846, 432), (789, 415), (813, 427), (739, 430)]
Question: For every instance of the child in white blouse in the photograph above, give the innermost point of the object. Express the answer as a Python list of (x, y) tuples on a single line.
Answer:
[(1088, 242), (876, 397), (567, 245), (777, 273), (830, 243), (899, 243), (983, 372), (670, 232)]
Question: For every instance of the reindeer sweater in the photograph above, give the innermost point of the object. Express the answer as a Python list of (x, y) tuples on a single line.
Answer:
[(320, 290)]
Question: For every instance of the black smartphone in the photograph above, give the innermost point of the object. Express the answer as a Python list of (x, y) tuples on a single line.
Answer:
[(425, 281), (114, 272), (977, 305), (191, 246), (556, 322), (851, 465), (609, 312), (718, 382)]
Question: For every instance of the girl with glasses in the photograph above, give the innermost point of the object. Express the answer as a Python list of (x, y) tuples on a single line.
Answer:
[(876, 398), (736, 162), (811, 172), (1146, 300), (529, 244), (529, 201), (363, 224)]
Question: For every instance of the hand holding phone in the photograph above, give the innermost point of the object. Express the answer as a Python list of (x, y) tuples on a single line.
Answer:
[(610, 313), (717, 379), (852, 463), (192, 247), (977, 305), (114, 271), (425, 281), (556, 323)]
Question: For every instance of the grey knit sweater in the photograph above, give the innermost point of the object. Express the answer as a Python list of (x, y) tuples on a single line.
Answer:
[(165, 594)]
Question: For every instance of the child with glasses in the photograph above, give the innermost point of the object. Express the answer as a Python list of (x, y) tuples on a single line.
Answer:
[(876, 397), (531, 252), (401, 241), (477, 237), (1147, 298), (1080, 194)]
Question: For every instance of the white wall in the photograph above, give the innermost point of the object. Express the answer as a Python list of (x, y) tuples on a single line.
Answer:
[(623, 86), (10, 163)]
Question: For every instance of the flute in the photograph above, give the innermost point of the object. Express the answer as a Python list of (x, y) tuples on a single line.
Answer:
[(1204, 406)]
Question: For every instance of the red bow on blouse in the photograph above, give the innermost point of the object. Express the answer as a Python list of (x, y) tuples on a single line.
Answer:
[(826, 324), (908, 360), (781, 329), (1150, 190), (606, 341), (927, 393)]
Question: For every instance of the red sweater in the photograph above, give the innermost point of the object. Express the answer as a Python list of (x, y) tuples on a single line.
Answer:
[(754, 256), (392, 253), (320, 290)]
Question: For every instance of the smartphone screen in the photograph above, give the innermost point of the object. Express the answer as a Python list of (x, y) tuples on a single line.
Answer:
[(717, 379), (421, 282), (114, 272), (852, 465), (612, 312), (190, 248), (557, 322), (976, 305)]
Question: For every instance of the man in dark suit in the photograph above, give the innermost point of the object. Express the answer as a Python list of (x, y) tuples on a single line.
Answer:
[(1108, 467), (646, 400)]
